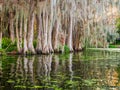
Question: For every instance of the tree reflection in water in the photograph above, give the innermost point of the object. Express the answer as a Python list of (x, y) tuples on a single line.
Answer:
[(0, 73), (52, 72)]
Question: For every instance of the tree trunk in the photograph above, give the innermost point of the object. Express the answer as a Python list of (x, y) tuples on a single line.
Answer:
[(56, 31), (77, 36), (0, 38), (20, 34), (50, 40), (69, 37), (11, 28), (45, 49), (1, 27), (51, 22), (17, 35), (40, 29), (55, 38), (25, 36), (31, 34)]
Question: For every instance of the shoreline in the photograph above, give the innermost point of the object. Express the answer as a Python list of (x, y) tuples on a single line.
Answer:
[(105, 49), (16, 53), (75, 51)]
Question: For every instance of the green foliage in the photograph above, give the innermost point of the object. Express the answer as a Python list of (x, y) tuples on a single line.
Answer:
[(90, 82), (2, 52), (66, 49), (117, 42), (19, 86), (111, 37), (5, 42), (8, 46), (112, 46), (35, 43), (118, 25), (86, 43), (10, 81), (64, 56)]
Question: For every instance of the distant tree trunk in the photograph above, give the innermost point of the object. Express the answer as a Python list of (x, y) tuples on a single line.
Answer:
[(11, 28), (25, 36), (78, 35)]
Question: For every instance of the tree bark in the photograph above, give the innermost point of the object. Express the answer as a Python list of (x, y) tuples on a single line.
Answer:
[(69, 37), (51, 22), (39, 37), (1, 26), (0, 38), (45, 49), (56, 31), (11, 28), (25, 36), (20, 34), (31, 34), (17, 35)]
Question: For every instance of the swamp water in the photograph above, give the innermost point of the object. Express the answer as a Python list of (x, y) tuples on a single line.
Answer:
[(91, 70)]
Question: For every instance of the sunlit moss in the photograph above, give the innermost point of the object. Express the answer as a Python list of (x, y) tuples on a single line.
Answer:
[(90, 82), (10, 81), (76, 77), (20, 86), (54, 81)]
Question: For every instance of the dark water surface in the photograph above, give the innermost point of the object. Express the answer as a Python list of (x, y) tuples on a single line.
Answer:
[(90, 70)]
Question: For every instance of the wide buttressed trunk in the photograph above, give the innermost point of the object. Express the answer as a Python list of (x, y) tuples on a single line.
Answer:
[(30, 35), (57, 27), (45, 49), (45, 27), (39, 26)]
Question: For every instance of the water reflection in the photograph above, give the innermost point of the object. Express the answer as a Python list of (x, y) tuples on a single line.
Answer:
[(79, 71), (0, 73)]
